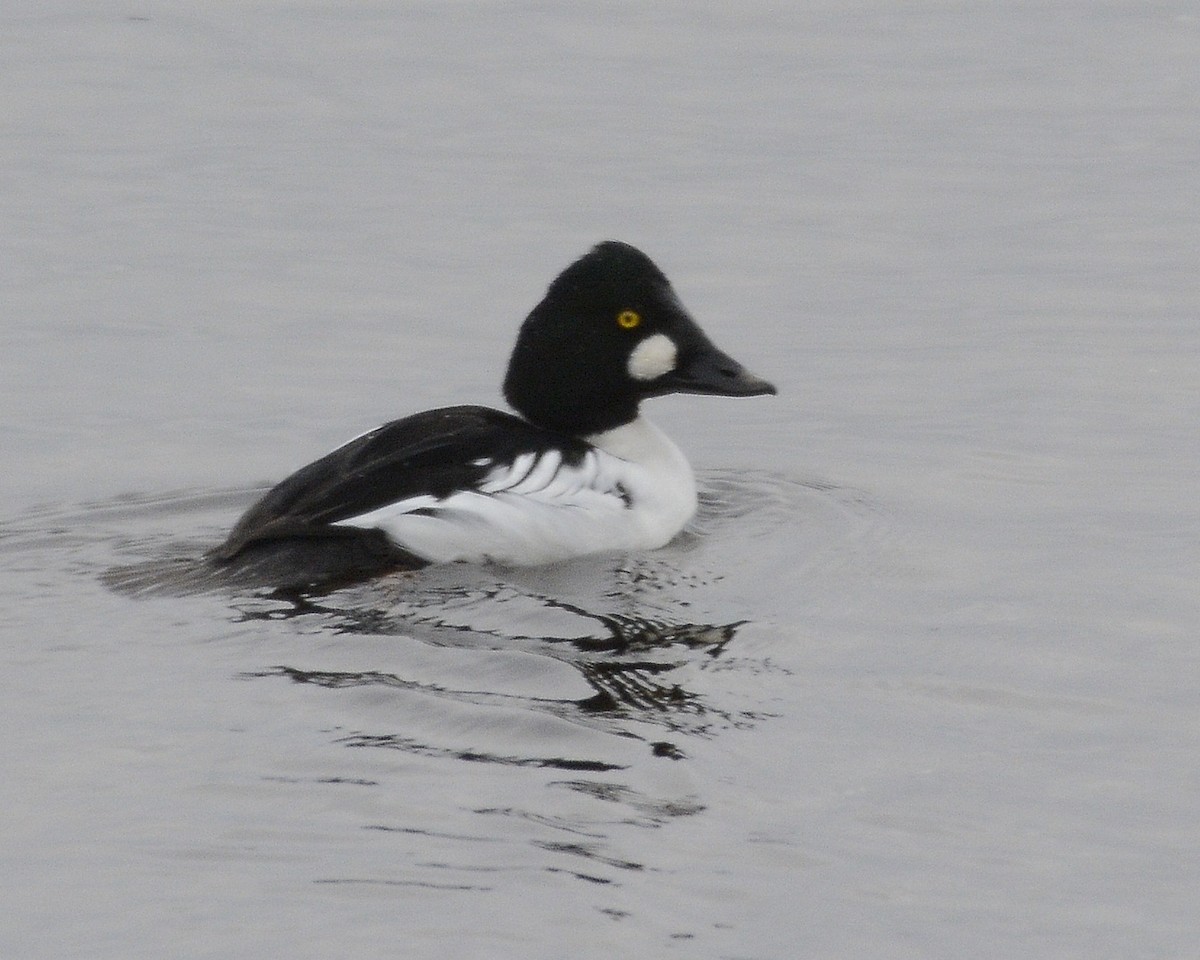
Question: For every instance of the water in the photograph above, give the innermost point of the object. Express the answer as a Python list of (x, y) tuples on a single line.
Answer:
[(920, 682)]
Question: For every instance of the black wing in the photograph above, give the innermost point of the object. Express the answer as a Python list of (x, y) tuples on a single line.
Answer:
[(434, 453)]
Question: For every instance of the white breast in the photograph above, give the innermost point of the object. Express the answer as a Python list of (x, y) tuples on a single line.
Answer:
[(633, 491)]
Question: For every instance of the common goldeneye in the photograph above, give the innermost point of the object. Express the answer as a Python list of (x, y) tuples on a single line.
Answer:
[(582, 473)]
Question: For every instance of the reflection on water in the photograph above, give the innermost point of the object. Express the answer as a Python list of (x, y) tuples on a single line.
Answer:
[(638, 631), (632, 663), (553, 697), (630, 666)]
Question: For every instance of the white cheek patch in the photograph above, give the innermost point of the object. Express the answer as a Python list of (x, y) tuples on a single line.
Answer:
[(653, 357)]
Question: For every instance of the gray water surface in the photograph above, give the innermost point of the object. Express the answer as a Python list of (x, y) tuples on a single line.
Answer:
[(921, 679)]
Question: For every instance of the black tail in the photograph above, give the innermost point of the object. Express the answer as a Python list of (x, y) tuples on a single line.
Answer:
[(302, 564)]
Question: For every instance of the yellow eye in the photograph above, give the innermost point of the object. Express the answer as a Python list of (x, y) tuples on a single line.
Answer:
[(628, 319)]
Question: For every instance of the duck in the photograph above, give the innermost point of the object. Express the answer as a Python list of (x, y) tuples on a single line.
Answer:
[(576, 470)]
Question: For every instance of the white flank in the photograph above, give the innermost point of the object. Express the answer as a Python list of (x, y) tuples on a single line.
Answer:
[(634, 491), (653, 357)]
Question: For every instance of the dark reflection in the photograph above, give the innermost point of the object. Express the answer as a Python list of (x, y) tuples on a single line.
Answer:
[(628, 627), (623, 687), (569, 690), (631, 663), (623, 633), (416, 884), (620, 685), (628, 633), (393, 741), (588, 851), (651, 811)]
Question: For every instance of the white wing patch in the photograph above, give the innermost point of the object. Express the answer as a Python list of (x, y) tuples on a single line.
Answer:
[(529, 475), (539, 510)]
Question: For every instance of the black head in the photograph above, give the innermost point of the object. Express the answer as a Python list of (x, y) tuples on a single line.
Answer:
[(609, 333)]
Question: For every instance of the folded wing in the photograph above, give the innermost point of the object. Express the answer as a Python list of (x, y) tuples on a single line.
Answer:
[(424, 459)]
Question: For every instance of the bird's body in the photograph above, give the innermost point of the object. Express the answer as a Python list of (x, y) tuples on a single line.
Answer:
[(581, 472)]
